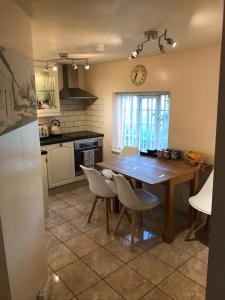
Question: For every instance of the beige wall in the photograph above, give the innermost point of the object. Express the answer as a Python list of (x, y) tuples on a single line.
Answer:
[(22, 247), (191, 77)]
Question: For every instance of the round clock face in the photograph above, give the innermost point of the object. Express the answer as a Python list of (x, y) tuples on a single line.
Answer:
[(138, 75)]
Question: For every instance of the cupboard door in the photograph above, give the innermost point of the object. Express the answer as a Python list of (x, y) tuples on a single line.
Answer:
[(61, 168)]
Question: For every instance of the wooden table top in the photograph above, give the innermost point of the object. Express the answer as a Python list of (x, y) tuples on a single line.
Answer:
[(148, 169)]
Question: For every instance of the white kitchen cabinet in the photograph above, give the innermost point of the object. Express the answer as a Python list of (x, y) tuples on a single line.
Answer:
[(61, 169), (44, 182)]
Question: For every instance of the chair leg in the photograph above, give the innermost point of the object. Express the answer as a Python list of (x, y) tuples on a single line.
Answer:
[(133, 230), (193, 226), (107, 214), (128, 216), (207, 222), (92, 209), (120, 219)]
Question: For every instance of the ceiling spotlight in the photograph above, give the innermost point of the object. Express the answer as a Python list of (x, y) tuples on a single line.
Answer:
[(135, 53), (55, 68), (171, 42), (75, 66), (46, 67), (149, 37), (87, 66)]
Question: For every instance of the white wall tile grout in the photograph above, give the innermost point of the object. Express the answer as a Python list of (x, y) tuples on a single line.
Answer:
[(77, 115)]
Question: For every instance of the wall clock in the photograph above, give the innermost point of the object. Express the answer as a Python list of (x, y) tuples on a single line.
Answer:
[(138, 75)]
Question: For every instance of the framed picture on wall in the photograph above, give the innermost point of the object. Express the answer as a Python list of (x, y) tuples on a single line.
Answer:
[(17, 90)]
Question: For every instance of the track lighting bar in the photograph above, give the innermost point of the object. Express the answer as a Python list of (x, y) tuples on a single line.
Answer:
[(53, 63), (153, 35)]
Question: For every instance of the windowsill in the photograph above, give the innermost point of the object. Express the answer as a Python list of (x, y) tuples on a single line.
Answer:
[(116, 151)]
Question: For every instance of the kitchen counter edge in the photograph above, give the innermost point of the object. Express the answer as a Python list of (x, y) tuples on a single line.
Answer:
[(63, 139)]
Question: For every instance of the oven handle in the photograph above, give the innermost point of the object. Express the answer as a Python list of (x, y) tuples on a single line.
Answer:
[(90, 149)]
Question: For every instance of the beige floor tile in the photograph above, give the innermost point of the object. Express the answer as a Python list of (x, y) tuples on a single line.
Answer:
[(65, 231), (100, 235), (144, 238), (121, 249), (150, 267), (57, 205), (51, 198), (99, 216), (171, 255), (78, 277), (102, 262), (82, 224), (51, 240), (128, 283), (100, 291), (64, 194), (156, 294), (196, 270), (85, 206), (81, 189), (69, 213), (73, 199), (203, 255), (82, 245), (191, 247), (60, 256), (53, 220), (179, 287), (87, 195), (57, 289)]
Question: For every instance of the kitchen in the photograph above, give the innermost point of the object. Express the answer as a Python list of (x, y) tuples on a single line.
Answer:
[(66, 138), (108, 92)]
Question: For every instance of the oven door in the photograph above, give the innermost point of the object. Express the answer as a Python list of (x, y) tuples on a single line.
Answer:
[(80, 158)]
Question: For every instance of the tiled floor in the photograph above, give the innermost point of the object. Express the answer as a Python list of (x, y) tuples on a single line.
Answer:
[(86, 263)]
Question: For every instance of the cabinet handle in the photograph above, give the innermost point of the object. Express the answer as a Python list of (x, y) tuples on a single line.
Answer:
[(60, 145)]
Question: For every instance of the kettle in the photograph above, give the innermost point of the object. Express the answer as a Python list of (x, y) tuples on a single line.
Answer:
[(55, 127)]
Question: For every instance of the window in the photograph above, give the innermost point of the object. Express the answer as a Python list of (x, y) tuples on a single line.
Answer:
[(141, 120)]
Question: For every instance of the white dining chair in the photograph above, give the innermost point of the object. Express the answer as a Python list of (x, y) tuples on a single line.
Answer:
[(136, 200), (126, 151), (202, 204), (102, 189)]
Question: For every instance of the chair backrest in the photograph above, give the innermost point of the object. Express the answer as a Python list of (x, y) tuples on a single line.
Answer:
[(97, 184), (207, 188), (203, 200), (126, 194), (128, 150)]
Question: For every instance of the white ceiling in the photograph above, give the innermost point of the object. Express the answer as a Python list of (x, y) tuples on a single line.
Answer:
[(79, 26)]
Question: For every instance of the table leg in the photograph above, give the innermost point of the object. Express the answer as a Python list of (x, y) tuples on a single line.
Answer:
[(194, 187), (169, 212), (139, 215)]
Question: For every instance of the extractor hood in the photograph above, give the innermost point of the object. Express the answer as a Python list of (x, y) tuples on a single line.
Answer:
[(72, 92)]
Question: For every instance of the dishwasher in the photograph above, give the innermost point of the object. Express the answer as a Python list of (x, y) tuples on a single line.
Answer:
[(87, 152)]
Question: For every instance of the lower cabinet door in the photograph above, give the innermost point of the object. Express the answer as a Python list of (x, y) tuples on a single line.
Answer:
[(61, 169)]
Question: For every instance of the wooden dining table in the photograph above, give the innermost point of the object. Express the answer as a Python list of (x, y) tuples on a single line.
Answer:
[(145, 169)]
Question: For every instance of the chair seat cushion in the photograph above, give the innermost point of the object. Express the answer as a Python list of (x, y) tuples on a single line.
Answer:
[(107, 173), (147, 199), (112, 186)]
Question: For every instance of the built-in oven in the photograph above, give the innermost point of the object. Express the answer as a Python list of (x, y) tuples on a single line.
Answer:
[(87, 152)]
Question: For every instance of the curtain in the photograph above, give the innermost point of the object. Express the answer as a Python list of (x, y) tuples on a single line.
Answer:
[(141, 121)]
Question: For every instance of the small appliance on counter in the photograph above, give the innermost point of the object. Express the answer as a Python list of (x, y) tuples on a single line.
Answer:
[(43, 131), (55, 127)]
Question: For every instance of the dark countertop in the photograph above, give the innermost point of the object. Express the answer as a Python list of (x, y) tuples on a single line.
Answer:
[(70, 136)]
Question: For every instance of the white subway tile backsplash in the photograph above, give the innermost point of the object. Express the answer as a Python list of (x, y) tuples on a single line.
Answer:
[(77, 116)]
